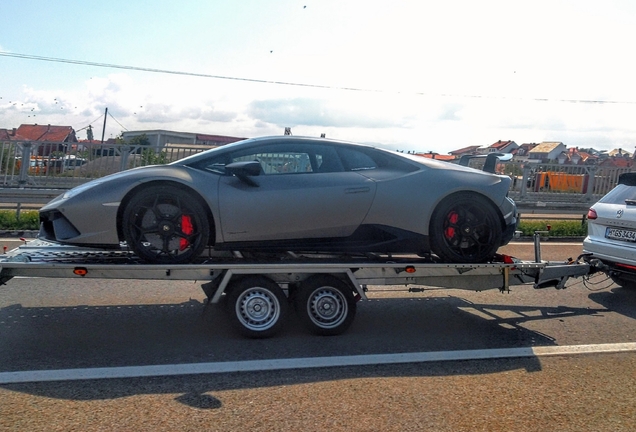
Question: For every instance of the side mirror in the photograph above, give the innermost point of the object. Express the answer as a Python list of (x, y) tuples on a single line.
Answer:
[(244, 170)]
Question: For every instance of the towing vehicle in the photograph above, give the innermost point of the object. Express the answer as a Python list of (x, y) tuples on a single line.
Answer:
[(258, 289)]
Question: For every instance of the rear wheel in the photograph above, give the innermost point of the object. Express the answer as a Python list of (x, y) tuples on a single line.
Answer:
[(325, 305), (165, 224), (465, 229)]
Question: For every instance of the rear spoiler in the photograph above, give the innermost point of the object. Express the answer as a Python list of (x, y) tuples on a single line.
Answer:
[(627, 179), (491, 160)]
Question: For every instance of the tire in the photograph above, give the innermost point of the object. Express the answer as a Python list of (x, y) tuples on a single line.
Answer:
[(257, 306), (624, 282), (325, 305), (165, 224), (465, 229)]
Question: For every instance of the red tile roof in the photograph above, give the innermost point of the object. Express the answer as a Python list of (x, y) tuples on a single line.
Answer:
[(501, 144), (469, 149), (46, 133), (445, 158)]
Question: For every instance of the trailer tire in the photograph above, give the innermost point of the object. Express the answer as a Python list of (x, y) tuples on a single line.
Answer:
[(325, 305), (257, 306)]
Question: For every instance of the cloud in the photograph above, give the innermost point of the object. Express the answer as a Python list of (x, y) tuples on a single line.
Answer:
[(320, 112)]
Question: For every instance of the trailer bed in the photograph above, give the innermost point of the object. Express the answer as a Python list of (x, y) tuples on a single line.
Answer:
[(328, 286)]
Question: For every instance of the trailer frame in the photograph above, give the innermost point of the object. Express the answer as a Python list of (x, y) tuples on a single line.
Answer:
[(323, 289)]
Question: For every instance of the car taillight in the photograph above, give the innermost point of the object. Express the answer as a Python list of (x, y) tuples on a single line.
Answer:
[(591, 214)]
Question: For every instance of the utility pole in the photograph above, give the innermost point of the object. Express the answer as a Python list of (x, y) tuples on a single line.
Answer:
[(104, 128)]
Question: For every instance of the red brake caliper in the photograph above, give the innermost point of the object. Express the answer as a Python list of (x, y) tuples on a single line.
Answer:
[(452, 218), (187, 229)]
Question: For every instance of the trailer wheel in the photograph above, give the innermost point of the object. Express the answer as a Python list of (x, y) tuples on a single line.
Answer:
[(165, 224), (257, 306), (325, 305), (465, 228)]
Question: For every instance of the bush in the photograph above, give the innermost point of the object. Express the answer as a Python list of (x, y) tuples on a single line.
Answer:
[(559, 228), (29, 220)]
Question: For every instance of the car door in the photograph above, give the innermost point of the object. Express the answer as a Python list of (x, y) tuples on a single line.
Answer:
[(303, 192)]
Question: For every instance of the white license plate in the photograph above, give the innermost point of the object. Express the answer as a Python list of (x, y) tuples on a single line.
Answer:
[(620, 234)]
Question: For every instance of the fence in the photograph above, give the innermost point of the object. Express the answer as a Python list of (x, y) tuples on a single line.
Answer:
[(34, 172)]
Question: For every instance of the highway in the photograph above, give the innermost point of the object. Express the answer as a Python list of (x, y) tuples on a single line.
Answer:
[(133, 326)]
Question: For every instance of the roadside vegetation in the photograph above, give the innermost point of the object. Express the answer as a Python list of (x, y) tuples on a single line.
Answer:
[(29, 220), (556, 228)]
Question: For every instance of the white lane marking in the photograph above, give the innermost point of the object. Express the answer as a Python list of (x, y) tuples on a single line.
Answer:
[(306, 363)]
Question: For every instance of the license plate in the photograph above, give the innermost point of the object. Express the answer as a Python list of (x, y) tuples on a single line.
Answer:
[(620, 234)]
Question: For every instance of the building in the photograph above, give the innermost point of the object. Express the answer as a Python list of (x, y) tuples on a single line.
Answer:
[(574, 156), (437, 156), (470, 150), (53, 138), (158, 138), (499, 147), (547, 151)]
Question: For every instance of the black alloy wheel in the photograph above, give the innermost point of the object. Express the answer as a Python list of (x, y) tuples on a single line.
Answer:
[(465, 229), (165, 224)]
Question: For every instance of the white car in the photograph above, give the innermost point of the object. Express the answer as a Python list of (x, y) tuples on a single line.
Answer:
[(612, 231)]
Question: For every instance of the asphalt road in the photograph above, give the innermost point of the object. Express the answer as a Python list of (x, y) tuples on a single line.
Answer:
[(64, 324)]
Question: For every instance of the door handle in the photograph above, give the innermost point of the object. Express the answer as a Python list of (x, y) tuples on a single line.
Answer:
[(357, 190)]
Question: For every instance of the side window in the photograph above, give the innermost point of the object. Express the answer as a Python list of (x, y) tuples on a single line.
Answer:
[(283, 162), (355, 160), (287, 158)]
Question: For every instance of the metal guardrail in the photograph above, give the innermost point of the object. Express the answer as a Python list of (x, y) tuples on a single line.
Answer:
[(54, 167)]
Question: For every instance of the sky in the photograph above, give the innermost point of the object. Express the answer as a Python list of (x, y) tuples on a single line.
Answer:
[(407, 75)]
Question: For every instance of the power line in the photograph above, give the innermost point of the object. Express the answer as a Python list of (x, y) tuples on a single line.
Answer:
[(320, 86), (165, 71), (117, 121)]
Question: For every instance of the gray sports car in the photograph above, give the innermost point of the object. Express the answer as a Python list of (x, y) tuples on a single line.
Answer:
[(287, 193)]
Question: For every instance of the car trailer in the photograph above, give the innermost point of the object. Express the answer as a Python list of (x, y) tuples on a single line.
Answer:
[(259, 289)]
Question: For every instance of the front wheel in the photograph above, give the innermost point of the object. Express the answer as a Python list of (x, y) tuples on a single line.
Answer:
[(257, 306), (465, 229), (165, 224)]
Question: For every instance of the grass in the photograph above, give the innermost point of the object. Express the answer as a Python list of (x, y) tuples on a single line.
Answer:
[(29, 220)]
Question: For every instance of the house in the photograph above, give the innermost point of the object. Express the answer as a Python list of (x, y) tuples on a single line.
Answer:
[(619, 152), (547, 151), (470, 150), (437, 156), (521, 153), (574, 156), (618, 158), (52, 137), (499, 147)]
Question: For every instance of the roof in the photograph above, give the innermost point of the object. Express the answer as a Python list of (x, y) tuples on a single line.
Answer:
[(620, 152), (546, 147), (524, 149), (501, 144), (468, 149), (46, 133), (218, 138), (445, 158), (4, 135)]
